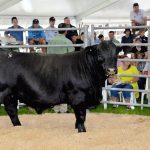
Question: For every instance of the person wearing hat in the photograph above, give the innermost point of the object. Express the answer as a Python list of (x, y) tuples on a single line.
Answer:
[(36, 37), (127, 38), (49, 33), (60, 39), (137, 17)]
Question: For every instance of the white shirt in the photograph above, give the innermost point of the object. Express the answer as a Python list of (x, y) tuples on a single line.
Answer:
[(138, 16), (50, 34)]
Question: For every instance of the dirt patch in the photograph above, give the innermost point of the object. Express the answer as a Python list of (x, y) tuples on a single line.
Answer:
[(56, 132)]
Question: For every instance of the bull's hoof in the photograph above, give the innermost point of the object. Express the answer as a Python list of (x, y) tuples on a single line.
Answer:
[(81, 128), (17, 124)]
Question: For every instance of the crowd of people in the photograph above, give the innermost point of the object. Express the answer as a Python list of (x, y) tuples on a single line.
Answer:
[(63, 37), (136, 36)]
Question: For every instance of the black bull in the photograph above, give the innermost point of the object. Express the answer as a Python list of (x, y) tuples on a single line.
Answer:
[(44, 81)]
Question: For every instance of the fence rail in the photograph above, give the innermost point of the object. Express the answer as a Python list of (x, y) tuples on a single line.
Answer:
[(126, 104), (42, 29), (122, 27), (133, 75), (130, 90), (135, 60), (39, 46)]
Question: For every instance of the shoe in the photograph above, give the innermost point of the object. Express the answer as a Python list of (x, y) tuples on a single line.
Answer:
[(128, 107), (115, 106)]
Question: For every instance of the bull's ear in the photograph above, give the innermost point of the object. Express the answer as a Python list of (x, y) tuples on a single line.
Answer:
[(118, 49), (93, 48)]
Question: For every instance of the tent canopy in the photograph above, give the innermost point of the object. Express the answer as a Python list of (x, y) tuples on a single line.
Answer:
[(78, 9)]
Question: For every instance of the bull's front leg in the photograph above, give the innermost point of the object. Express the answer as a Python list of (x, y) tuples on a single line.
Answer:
[(11, 103), (80, 114)]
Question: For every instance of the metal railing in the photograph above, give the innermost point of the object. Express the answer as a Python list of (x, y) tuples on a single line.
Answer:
[(131, 60), (42, 29), (85, 29), (39, 46), (85, 44)]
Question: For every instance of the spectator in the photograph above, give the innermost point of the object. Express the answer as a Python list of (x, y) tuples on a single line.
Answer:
[(140, 66), (101, 37), (112, 37), (51, 34), (125, 82), (145, 70), (18, 35), (139, 49), (81, 36), (137, 17), (60, 39), (76, 40), (127, 38), (68, 25), (143, 38), (36, 37), (96, 40)]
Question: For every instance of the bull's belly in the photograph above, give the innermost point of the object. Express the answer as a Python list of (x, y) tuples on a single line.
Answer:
[(39, 100)]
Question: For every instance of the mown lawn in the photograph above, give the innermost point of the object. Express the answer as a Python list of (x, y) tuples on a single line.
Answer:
[(98, 109), (122, 110)]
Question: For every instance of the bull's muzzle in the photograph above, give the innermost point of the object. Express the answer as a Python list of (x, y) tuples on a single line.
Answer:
[(111, 71)]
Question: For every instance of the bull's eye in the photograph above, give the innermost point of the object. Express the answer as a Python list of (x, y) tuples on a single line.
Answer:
[(100, 58)]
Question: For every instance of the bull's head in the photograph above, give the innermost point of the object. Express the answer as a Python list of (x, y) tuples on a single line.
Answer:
[(107, 55)]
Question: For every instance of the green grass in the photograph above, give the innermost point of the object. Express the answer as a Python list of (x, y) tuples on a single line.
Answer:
[(24, 110), (121, 110), (98, 109)]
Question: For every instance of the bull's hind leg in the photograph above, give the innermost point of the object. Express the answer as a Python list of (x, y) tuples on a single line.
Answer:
[(11, 103), (80, 115)]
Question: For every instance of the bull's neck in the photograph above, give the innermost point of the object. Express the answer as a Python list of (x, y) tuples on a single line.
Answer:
[(93, 68)]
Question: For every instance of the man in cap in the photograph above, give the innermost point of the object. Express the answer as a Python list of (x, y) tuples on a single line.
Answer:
[(50, 34), (36, 37)]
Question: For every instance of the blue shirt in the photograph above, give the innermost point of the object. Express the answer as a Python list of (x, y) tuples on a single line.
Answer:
[(18, 35), (35, 34)]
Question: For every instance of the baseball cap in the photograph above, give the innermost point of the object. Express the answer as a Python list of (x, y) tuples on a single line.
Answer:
[(35, 21)]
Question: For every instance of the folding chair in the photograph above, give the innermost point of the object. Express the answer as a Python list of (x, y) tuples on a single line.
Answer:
[(143, 94)]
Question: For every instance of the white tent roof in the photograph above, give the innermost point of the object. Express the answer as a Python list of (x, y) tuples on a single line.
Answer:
[(79, 9), (49, 7)]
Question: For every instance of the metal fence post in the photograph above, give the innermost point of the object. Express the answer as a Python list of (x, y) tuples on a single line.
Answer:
[(149, 63), (86, 35), (92, 34)]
